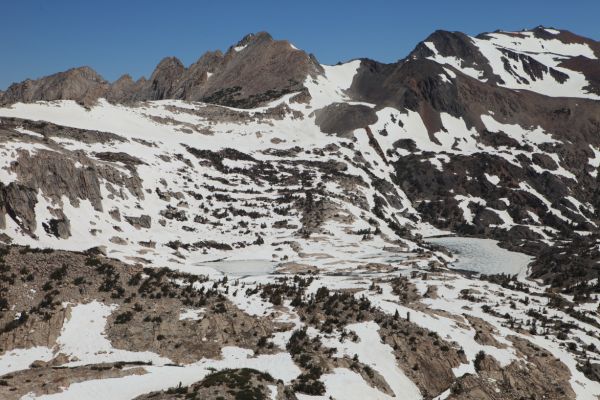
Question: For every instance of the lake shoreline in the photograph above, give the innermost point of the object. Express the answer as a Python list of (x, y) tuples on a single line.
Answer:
[(480, 255)]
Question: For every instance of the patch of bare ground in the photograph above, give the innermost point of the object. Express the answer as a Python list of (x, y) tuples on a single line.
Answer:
[(484, 332), (228, 384), (46, 378), (35, 285), (542, 376)]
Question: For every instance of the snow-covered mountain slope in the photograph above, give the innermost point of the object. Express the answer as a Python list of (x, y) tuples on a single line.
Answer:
[(173, 182), (289, 202), (541, 60)]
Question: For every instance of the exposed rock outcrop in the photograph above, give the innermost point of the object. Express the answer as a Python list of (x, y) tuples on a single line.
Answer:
[(228, 384), (542, 376), (81, 84), (343, 118)]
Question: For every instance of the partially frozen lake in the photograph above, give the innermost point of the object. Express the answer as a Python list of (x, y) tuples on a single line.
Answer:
[(483, 255), (241, 267)]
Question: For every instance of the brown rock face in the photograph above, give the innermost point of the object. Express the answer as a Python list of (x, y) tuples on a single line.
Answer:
[(343, 118), (163, 81), (455, 44), (59, 174), (123, 88), (18, 202), (589, 68), (81, 84), (50, 130), (258, 69), (143, 221)]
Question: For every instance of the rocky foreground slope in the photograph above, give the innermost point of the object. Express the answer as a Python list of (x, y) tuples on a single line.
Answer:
[(252, 226)]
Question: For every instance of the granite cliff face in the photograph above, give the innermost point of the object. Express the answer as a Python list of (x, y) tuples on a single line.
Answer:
[(256, 224)]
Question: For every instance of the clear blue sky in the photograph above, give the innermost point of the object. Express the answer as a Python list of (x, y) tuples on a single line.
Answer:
[(40, 37)]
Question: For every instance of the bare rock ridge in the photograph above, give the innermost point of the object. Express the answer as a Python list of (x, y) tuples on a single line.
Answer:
[(81, 84), (258, 69), (516, 59), (453, 44), (254, 71)]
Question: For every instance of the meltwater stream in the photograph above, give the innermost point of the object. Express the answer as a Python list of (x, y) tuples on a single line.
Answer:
[(483, 255)]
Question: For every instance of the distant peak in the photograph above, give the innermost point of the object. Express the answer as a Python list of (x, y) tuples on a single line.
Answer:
[(447, 43), (168, 66), (255, 37), (169, 62), (85, 72), (251, 39), (125, 78), (547, 28)]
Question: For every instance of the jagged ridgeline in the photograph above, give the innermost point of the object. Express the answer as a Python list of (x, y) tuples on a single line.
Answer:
[(256, 70), (256, 225)]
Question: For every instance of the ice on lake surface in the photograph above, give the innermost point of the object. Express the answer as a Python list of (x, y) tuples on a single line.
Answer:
[(241, 267), (483, 255)]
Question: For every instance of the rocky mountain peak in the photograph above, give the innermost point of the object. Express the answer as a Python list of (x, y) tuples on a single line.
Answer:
[(544, 60), (164, 79), (81, 84), (447, 44), (85, 72), (209, 60), (167, 64), (455, 46), (257, 69), (251, 38), (124, 78)]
